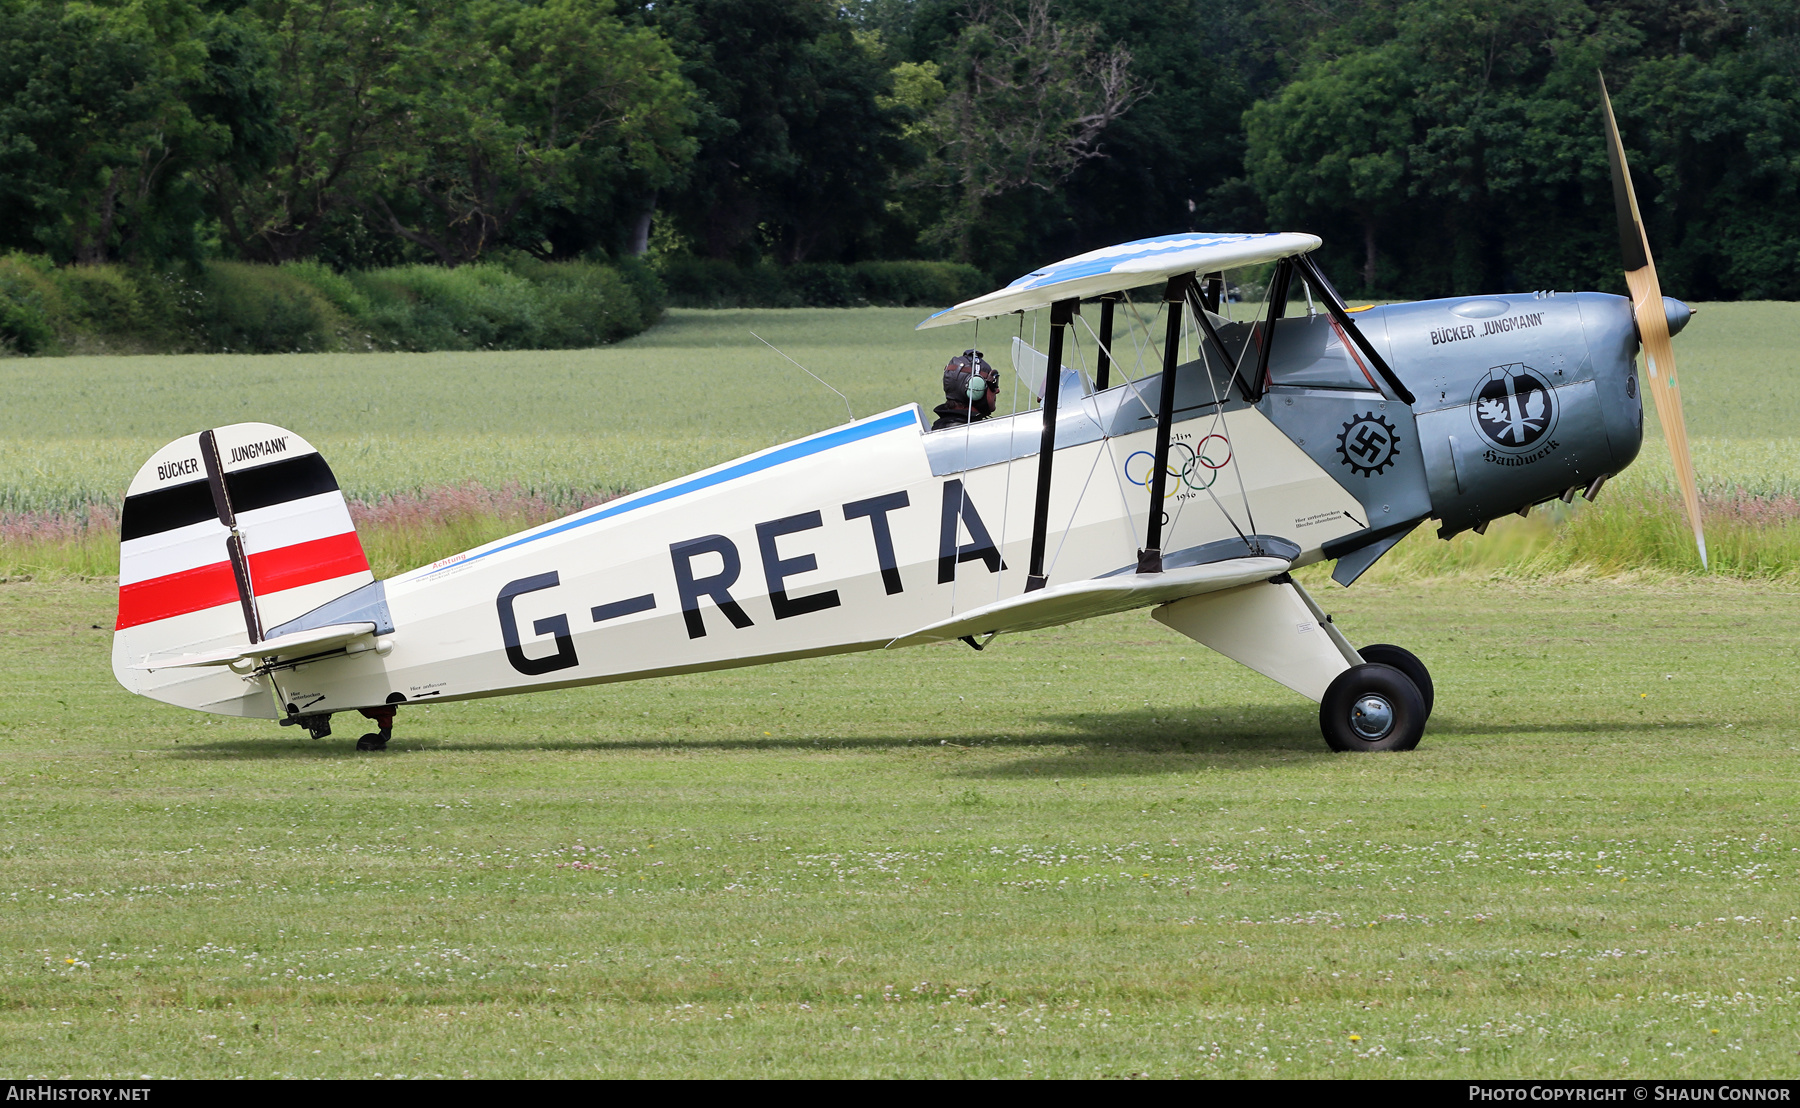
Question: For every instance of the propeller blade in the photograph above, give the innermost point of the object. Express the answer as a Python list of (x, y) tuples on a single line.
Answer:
[(1652, 323)]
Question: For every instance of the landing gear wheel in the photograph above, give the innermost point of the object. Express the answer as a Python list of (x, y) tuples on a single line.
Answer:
[(1372, 707), (1406, 662), (384, 719)]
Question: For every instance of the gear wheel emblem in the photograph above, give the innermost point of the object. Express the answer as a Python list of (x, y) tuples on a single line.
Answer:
[(1368, 444)]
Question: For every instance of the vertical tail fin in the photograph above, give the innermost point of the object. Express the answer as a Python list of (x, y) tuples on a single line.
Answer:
[(226, 533)]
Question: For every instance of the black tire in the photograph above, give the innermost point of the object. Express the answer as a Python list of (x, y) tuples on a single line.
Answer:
[(1406, 662), (374, 740), (1372, 707)]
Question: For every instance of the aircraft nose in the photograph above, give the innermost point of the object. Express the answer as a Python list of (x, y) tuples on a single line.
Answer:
[(1612, 340)]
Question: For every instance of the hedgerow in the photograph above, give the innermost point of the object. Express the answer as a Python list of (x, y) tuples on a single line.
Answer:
[(707, 283), (513, 303)]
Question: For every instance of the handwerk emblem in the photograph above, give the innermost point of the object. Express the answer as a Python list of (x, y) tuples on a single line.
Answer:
[(1368, 444), (1513, 407)]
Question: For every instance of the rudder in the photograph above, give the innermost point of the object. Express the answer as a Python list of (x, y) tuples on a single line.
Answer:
[(224, 534)]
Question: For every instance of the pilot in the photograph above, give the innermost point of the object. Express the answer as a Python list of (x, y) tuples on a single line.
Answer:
[(970, 385)]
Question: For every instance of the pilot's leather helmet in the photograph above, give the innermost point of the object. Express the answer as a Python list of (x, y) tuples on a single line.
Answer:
[(957, 375)]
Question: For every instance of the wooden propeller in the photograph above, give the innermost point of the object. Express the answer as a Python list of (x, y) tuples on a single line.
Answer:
[(1652, 323)]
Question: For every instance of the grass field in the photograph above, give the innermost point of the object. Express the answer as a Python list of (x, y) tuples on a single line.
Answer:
[(540, 432), (1098, 850), (1092, 851), (693, 392)]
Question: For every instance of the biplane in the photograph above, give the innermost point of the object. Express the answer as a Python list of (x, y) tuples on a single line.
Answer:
[(1257, 446)]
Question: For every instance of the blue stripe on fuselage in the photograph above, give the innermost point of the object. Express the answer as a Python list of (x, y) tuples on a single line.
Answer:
[(805, 448)]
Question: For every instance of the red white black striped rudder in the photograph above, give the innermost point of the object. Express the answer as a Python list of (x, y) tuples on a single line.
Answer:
[(224, 534)]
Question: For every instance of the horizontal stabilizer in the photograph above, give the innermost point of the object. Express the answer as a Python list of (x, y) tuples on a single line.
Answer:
[(1096, 597), (316, 641)]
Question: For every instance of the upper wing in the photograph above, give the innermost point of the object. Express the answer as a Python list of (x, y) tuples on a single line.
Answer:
[(1096, 597), (1124, 266)]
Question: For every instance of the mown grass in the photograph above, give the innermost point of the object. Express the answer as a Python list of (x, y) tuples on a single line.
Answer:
[(1098, 850), (1094, 851)]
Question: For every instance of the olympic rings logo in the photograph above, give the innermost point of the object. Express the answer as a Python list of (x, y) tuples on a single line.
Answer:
[(1195, 468)]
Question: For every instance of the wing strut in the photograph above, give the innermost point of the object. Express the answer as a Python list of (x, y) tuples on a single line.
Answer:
[(1277, 294), (1212, 290), (1102, 372), (1061, 313), (1150, 558), (1335, 305), (1197, 300)]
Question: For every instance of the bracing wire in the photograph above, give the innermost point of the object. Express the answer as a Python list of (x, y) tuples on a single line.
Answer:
[(1091, 391), (1145, 332), (809, 373), (1106, 432), (1091, 409), (963, 494), (1237, 465), (1054, 558), (1012, 439), (1148, 343), (1219, 421), (1139, 396)]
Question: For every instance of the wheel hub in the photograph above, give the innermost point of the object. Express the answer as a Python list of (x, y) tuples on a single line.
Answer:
[(1371, 717)]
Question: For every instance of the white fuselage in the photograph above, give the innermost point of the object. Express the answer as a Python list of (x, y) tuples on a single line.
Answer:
[(847, 540)]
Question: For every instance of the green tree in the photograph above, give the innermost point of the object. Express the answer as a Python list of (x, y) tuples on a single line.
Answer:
[(347, 72), (1027, 99), (447, 129), (798, 143), (1165, 160), (1720, 139), (1172, 160), (1459, 141), (105, 114), (1338, 140), (513, 102)]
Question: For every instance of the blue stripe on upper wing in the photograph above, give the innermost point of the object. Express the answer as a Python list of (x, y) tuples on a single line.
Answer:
[(1110, 258), (1107, 259), (793, 451)]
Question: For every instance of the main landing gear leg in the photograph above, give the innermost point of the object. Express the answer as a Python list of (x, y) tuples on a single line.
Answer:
[(384, 719), (1374, 699)]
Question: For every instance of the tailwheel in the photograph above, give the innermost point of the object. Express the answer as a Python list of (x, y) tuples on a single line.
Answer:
[(384, 719), (1406, 662), (1372, 707)]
